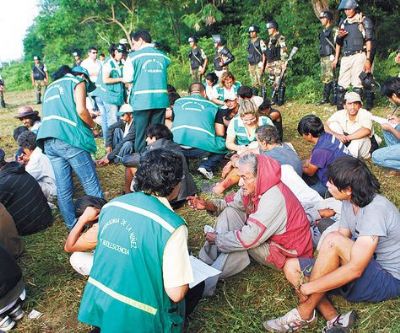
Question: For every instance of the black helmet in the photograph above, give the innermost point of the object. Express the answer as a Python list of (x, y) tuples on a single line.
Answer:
[(348, 4), (254, 28), (219, 39), (272, 24), (193, 39), (326, 14)]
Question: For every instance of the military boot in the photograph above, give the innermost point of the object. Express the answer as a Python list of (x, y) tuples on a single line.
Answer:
[(369, 99), (334, 93), (326, 93), (281, 96), (263, 92), (2, 103), (340, 92), (38, 98)]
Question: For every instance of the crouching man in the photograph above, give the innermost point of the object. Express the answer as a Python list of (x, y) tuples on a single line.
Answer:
[(361, 261), (265, 220)]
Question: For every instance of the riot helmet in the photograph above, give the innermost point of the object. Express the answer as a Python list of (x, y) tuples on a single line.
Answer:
[(326, 14), (218, 39), (254, 28), (272, 24), (348, 4)]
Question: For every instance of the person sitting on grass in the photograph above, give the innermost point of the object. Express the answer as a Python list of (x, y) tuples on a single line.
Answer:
[(266, 109), (265, 221), (37, 165), (23, 198), (29, 118), (141, 269), (389, 156), (82, 239), (12, 291), (352, 126), (159, 136), (360, 261), (120, 139), (326, 150)]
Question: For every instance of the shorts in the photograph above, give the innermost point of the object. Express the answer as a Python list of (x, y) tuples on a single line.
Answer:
[(374, 285)]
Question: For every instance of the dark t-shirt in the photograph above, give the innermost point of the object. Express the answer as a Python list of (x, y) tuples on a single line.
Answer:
[(326, 150)]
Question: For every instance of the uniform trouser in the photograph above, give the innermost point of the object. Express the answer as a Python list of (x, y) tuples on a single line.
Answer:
[(274, 70), (230, 263), (82, 262), (327, 73), (358, 148), (255, 72), (39, 84), (142, 119), (196, 76), (350, 70)]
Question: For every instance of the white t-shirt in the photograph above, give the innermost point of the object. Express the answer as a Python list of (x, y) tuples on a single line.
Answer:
[(93, 67)]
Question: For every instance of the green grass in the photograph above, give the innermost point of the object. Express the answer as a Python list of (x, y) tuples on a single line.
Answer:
[(241, 303)]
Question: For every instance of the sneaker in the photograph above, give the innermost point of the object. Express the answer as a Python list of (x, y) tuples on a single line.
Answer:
[(16, 313), (205, 173), (6, 323), (290, 322), (341, 323)]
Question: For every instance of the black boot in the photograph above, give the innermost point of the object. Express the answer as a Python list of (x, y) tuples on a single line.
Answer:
[(334, 93), (340, 92), (263, 92), (326, 93), (38, 98), (359, 91), (281, 95), (369, 99), (2, 103)]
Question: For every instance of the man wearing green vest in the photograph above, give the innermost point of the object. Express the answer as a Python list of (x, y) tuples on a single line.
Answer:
[(110, 87), (141, 267), (146, 69), (65, 136), (195, 128)]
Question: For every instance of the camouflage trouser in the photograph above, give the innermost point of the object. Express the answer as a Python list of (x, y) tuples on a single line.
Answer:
[(38, 86), (327, 73), (274, 70), (196, 76), (255, 72)]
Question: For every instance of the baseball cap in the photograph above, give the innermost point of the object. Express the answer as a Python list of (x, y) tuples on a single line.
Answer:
[(352, 97), (125, 108), (75, 54), (231, 98), (36, 58)]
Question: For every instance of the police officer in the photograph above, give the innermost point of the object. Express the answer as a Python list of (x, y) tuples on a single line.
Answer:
[(198, 60), (356, 41), (327, 49), (256, 57), (39, 77), (77, 59), (223, 56), (2, 102), (276, 54)]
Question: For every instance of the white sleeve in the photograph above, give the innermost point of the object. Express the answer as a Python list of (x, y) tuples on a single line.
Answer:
[(177, 270), (128, 71)]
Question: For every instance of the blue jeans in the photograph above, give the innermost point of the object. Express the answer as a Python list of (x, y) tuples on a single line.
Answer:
[(389, 156), (108, 115), (64, 158), (210, 161), (126, 149)]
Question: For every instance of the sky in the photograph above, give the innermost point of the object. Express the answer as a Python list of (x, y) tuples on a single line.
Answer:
[(16, 16)]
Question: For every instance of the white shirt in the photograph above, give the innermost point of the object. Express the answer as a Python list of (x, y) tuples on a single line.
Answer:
[(127, 127), (40, 168), (93, 67)]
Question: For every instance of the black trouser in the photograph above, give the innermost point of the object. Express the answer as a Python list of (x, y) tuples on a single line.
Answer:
[(141, 120)]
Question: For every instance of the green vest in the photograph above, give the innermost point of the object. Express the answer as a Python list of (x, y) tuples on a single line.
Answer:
[(221, 90), (112, 93), (149, 89), (193, 126), (60, 119), (125, 291), (240, 130)]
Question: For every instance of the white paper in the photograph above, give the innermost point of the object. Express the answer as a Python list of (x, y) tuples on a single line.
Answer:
[(201, 271), (381, 120), (34, 314)]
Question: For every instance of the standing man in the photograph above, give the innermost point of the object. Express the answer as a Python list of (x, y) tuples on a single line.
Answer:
[(77, 59), (223, 56), (92, 64), (256, 57), (356, 41), (198, 60), (2, 102), (276, 53), (146, 69), (39, 77), (327, 53)]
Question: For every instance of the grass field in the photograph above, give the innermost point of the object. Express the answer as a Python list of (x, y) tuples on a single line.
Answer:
[(241, 303)]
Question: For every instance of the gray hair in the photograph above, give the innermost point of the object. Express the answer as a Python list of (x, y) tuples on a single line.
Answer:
[(268, 134), (249, 159)]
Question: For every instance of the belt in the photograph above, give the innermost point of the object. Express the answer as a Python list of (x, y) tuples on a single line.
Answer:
[(349, 53)]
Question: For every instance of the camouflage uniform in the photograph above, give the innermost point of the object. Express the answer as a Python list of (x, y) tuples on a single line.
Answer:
[(255, 59)]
